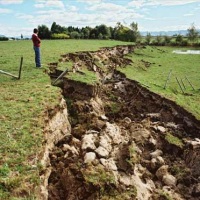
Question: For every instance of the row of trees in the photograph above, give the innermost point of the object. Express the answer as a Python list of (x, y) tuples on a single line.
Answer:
[(119, 32), (180, 40), (3, 38), (102, 31), (191, 38)]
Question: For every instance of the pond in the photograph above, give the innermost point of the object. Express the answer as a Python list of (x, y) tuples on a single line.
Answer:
[(186, 51)]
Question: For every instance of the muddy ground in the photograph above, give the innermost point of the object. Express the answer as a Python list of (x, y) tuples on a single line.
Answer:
[(126, 142)]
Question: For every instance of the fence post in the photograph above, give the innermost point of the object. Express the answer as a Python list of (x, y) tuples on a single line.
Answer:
[(168, 79), (179, 85), (61, 75), (183, 84), (189, 83), (20, 68)]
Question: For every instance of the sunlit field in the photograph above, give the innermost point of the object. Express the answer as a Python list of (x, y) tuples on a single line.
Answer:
[(152, 66), (23, 102), (22, 106)]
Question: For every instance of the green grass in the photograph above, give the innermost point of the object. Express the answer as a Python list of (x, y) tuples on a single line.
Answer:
[(23, 102), (154, 76), (85, 76), (174, 140), (22, 110)]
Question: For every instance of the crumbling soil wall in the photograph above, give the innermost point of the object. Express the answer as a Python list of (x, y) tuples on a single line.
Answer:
[(125, 141)]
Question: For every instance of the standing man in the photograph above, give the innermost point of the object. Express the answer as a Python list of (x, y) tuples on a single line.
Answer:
[(36, 46)]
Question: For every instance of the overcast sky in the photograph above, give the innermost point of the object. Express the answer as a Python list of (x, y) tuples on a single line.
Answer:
[(21, 16)]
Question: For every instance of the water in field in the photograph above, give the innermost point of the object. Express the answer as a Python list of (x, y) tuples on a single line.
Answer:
[(186, 51)]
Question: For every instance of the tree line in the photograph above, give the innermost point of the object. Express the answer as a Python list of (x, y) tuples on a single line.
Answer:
[(191, 38), (3, 38), (119, 32)]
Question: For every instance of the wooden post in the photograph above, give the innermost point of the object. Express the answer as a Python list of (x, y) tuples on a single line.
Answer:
[(179, 85), (20, 68), (183, 84), (9, 74), (168, 79), (61, 75), (189, 83)]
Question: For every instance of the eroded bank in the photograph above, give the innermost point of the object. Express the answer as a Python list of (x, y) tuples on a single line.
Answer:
[(118, 140)]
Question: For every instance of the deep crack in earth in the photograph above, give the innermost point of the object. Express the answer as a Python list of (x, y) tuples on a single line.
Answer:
[(126, 142)]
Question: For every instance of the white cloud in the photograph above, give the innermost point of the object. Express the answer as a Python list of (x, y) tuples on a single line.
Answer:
[(5, 2), (24, 16), (90, 1), (49, 3), (14, 31), (110, 13), (107, 7), (74, 18), (5, 11), (137, 4), (189, 14), (142, 3), (73, 8), (81, 13), (198, 7), (39, 5)]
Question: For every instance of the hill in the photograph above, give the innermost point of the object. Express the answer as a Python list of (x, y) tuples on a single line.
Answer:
[(168, 33)]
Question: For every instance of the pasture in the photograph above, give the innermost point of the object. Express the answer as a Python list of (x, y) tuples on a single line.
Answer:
[(152, 65), (22, 106), (23, 102)]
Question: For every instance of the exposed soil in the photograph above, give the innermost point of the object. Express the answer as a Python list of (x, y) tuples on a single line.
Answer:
[(126, 142)]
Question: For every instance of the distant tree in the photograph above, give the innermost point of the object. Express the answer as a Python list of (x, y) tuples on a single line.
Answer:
[(104, 31), (86, 32), (74, 35), (125, 33), (148, 38), (119, 25), (81, 35), (3, 38), (56, 28), (192, 33), (135, 32), (94, 33), (44, 32), (112, 32), (100, 36), (167, 39), (158, 39), (179, 39), (22, 37), (70, 29)]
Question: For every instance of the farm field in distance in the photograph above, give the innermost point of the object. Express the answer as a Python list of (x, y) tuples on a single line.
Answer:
[(152, 65), (23, 102)]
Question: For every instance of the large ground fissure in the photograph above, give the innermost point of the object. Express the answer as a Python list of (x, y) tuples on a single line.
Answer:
[(126, 142)]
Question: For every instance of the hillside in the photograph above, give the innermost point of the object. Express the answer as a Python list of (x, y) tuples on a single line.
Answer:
[(168, 33)]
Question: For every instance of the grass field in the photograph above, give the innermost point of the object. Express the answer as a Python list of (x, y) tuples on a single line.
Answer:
[(151, 67), (23, 102), (22, 106)]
